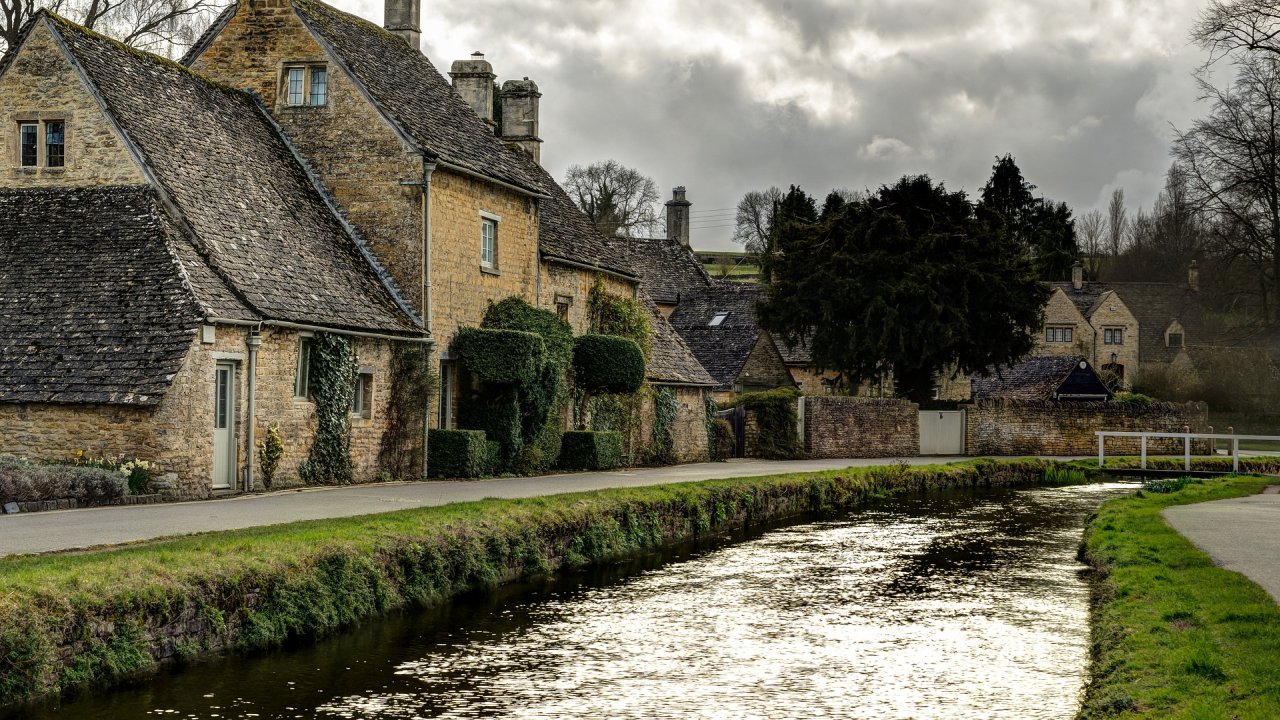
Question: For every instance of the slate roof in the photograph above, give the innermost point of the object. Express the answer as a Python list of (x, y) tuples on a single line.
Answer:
[(1155, 305), (258, 221), (416, 97), (667, 268), (566, 233), (1034, 378), (670, 359), (86, 315), (722, 349)]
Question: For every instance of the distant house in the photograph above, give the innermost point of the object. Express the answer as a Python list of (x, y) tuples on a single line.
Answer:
[(719, 325), (1121, 327), (1048, 378), (667, 267)]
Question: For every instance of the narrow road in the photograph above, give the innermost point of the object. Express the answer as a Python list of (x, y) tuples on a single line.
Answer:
[(92, 527), (1239, 534)]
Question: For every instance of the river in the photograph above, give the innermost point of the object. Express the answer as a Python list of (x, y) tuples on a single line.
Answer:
[(948, 605)]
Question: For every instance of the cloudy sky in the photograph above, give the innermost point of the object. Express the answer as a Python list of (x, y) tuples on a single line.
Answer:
[(726, 96)]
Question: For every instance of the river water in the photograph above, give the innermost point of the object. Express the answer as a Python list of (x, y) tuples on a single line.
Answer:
[(950, 605)]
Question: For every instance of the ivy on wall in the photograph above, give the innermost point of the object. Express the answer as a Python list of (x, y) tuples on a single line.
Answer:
[(665, 406), (625, 317), (332, 379), (412, 384)]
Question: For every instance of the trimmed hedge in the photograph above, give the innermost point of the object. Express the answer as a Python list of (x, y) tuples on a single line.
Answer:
[(775, 412), (457, 453), (582, 450), (501, 356), (607, 364)]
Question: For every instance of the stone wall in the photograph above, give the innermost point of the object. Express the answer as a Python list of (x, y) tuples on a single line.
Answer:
[(574, 285), (689, 431), (810, 381), (857, 427), (42, 85), (995, 427)]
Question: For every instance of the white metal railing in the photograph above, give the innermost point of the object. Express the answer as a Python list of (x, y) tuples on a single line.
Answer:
[(1186, 437)]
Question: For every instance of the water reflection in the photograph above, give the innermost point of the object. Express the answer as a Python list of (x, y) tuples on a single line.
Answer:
[(947, 606)]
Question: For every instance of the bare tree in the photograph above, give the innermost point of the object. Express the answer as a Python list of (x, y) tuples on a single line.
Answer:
[(754, 222), (162, 26), (619, 200), (1092, 229), (1229, 28), (1117, 223), (1232, 162)]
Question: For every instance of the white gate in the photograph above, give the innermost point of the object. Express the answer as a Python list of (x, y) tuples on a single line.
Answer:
[(941, 432)]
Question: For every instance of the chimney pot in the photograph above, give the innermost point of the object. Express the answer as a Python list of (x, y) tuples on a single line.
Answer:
[(1077, 275), (473, 81), (678, 216), (1193, 276), (519, 100)]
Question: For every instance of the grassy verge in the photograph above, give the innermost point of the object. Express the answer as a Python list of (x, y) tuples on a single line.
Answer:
[(1174, 636), (1261, 465), (93, 619)]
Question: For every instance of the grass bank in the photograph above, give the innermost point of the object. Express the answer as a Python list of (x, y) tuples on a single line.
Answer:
[(93, 619), (1174, 636)]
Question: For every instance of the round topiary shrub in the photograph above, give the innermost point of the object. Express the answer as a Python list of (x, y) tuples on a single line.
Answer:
[(607, 364)]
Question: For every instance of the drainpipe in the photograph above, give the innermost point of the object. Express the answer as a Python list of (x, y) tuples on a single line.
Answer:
[(253, 341)]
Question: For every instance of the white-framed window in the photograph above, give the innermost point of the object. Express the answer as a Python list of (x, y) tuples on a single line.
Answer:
[(55, 143), (1059, 335), (718, 320), (1113, 336), (362, 400), (448, 379), (488, 242), (28, 144), (306, 85), (302, 375)]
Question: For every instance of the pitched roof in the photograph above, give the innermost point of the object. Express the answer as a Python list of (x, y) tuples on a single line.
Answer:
[(722, 349), (1034, 378), (566, 233), (89, 315), (1154, 305), (667, 268), (258, 219), (416, 98), (670, 359)]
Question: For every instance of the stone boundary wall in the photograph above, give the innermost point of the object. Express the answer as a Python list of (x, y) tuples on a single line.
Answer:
[(1003, 427), (858, 427)]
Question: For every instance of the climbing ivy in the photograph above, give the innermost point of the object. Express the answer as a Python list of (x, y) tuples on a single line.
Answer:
[(619, 315), (626, 317), (412, 384), (332, 380), (663, 451), (709, 405)]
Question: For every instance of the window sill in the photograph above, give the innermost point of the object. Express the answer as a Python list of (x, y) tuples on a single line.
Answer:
[(490, 270)]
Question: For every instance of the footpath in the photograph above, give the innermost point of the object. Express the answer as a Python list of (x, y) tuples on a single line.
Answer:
[(1240, 534), (93, 527)]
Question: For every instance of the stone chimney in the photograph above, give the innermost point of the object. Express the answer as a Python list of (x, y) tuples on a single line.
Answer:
[(404, 18), (519, 100), (1193, 276), (1077, 275), (473, 80), (678, 216)]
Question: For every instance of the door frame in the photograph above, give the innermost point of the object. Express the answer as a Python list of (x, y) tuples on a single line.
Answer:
[(232, 450)]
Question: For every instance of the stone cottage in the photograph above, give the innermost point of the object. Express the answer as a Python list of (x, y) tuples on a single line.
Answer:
[(241, 170)]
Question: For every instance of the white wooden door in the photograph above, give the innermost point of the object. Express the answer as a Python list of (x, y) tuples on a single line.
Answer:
[(224, 426), (941, 432)]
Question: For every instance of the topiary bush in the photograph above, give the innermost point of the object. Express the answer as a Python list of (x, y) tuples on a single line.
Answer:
[(582, 450), (511, 357), (457, 453), (775, 413), (607, 364)]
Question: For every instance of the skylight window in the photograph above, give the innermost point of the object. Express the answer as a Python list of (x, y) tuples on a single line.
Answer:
[(718, 320)]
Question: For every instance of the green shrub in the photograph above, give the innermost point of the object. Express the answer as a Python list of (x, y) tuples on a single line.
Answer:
[(607, 364), (495, 409), (514, 313), (722, 440), (332, 380), (581, 450), (21, 481), (501, 356), (457, 453), (775, 413), (1132, 398), (665, 408), (619, 315), (270, 451), (543, 453)]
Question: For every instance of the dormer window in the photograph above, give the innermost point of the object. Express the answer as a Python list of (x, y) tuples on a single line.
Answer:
[(306, 85), (718, 320), (1175, 340)]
